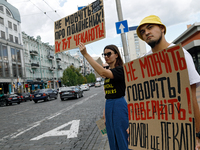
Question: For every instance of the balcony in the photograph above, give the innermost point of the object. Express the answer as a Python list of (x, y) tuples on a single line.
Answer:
[(35, 53), (35, 65), (50, 57), (58, 59), (59, 67), (52, 68)]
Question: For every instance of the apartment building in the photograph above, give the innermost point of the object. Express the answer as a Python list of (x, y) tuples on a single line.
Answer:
[(43, 67), (136, 46), (12, 74)]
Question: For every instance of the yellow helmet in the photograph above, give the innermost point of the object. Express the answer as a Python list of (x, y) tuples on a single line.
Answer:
[(152, 19)]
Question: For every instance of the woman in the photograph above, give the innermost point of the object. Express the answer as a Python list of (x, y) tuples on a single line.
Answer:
[(116, 111)]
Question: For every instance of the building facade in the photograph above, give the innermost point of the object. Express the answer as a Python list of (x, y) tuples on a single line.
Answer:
[(12, 73), (85, 66), (100, 62), (43, 67), (190, 40), (136, 46)]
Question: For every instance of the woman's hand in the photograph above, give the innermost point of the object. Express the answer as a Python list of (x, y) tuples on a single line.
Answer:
[(82, 48)]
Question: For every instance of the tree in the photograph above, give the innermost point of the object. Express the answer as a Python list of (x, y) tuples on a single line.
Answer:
[(90, 78), (72, 76)]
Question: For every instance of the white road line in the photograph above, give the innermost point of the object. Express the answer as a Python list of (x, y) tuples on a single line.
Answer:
[(35, 124)]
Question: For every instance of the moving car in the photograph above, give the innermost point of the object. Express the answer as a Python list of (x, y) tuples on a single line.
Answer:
[(71, 92), (44, 94), (25, 96), (10, 99), (97, 84), (85, 87)]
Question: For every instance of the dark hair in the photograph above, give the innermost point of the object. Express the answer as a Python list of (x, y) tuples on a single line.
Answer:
[(119, 61)]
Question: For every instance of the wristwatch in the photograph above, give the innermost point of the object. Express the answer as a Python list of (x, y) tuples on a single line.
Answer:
[(198, 135)]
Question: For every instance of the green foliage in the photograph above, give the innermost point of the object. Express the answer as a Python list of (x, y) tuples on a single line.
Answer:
[(72, 76), (90, 78)]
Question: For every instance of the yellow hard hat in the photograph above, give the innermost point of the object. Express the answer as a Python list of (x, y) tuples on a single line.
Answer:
[(152, 19)]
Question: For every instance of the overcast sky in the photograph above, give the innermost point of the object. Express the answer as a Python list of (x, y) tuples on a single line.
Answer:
[(38, 17)]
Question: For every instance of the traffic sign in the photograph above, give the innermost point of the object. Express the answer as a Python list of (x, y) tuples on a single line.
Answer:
[(121, 26)]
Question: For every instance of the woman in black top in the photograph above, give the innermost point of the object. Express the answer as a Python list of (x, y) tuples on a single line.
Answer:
[(116, 111)]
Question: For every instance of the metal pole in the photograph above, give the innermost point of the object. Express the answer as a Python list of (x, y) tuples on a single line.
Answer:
[(84, 65), (123, 36)]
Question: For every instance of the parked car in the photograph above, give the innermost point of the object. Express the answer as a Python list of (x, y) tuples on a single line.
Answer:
[(10, 99), (97, 84), (85, 87), (60, 89), (44, 94), (71, 92), (25, 96), (2, 101), (91, 84)]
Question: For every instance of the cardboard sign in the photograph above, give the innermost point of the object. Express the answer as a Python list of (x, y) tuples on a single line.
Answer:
[(160, 102), (86, 25), (101, 125)]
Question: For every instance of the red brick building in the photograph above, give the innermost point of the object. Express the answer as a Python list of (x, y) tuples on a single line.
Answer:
[(190, 40)]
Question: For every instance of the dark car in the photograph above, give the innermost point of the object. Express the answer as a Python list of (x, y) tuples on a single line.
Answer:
[(10, 99), (44, 94), (25, 96), (71, 92)]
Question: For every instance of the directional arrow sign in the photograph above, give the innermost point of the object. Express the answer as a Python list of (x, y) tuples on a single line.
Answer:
[(121, 26)]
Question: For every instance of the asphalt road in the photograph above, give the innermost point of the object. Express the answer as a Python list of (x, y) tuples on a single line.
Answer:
[(53, 125)]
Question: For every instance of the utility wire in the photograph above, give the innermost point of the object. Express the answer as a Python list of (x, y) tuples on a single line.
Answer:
[(41, 10), (52, 8)]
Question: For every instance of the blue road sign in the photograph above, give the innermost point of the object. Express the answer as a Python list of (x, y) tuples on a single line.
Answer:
[(121, 26), (79, 8)]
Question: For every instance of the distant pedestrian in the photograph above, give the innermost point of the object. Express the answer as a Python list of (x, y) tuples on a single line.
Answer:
[(116, 111)]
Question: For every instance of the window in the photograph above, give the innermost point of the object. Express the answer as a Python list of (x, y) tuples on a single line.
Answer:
[(15, 27), (6, 68), (13, 55), (3, 35), (1, 8), (8, 12), (0, 54), (18, 56), (16, 39), (9, 25), (14, 67), (1, 21), (1, 69), (11, 37), (20, 70), (5, 53)]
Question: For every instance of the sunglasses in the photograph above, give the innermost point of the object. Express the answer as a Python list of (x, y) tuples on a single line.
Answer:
[(106, 67), (106, 54)]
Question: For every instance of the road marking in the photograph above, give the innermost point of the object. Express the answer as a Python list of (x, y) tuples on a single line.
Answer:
[(71, 133), (35, 124)]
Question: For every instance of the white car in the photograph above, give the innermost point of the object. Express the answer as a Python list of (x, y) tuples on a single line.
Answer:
[(85, 87), (97, 84)]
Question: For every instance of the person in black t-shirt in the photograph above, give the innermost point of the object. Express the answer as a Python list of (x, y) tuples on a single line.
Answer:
[(116, 111)]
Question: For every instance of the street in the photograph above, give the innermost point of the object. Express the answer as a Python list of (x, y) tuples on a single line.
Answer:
[(52, 125)]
